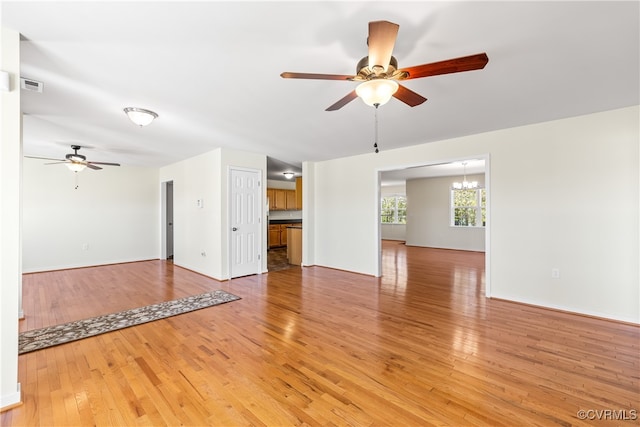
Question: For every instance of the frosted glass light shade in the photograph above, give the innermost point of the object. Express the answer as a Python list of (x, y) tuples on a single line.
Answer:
[(140, 116), (76, 167), (377, 91)]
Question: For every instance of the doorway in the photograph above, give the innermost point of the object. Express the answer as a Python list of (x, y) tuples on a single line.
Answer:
[(437, 169), (245, 220), (166, 191)]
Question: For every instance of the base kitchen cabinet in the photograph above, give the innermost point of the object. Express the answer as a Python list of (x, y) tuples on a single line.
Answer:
[(294, 248), (274, 236), (278, 235)]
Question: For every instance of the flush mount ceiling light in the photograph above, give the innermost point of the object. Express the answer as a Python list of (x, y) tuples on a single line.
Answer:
[(377, 91), (140, 116), (289, 175)]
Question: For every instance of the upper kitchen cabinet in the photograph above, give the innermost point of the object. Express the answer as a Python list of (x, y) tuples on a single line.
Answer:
[(281, 200), (291, 200), (299, 193)]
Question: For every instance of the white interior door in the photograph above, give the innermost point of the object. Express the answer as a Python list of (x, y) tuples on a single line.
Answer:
[(246, 222)]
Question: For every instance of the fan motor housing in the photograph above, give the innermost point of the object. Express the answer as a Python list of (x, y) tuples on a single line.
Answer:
[(76, 157), (364, 72)]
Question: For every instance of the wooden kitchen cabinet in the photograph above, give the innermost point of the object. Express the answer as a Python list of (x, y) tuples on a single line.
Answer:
[(278, 235), (291, 200), (274, 236), (271, 196), (281, 200), (294, 248), (299, 193), (283, 234)]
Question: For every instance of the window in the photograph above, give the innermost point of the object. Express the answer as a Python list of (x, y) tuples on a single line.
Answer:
[(469, 208), (394, 210)]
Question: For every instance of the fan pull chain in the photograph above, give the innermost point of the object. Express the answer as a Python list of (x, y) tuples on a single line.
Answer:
[(77, 185), (375, 142)]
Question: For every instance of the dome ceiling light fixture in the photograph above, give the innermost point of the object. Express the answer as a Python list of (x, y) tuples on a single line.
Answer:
[(289, 175), (140, 116)]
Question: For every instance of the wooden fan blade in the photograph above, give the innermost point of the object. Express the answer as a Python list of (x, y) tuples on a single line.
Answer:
[(408, 96), (103, 163), (93, 166), (45, 158), (449, 66), (289, 75), (382, 38), (344, 101), (56, 163)]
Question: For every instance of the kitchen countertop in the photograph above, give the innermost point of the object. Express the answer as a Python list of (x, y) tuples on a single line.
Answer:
[(285, 221)]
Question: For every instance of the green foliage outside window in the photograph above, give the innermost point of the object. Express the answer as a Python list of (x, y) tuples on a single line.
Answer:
[(393, 210), (469, 208)]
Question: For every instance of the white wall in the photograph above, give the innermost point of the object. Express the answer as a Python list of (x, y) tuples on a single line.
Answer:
[(393, 231), (111, 217), (10, 254), (283, 185), (204, 230), (196, 230), (429, 212), (563, 194)]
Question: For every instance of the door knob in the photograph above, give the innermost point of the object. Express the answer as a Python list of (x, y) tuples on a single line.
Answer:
[(234, 229)]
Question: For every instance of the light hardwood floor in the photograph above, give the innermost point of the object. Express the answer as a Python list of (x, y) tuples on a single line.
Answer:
[(319, 347)]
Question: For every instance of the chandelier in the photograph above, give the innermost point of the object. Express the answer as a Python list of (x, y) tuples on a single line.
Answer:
[(465, 185)]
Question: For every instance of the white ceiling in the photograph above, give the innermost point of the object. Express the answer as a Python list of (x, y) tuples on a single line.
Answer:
[(211, 70)]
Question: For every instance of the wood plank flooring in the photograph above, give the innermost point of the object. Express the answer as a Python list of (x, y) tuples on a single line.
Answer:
[(319, 347)]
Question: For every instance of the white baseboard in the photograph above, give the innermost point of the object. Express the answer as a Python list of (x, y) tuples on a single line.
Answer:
[(10, 400)]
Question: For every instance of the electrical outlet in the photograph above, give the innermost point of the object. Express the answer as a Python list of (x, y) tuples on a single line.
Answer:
[(203, 253), (555, 273), (85, 246)]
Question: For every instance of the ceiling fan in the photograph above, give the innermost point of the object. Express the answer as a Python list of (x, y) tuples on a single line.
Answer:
[(76, 162), (379, 71)]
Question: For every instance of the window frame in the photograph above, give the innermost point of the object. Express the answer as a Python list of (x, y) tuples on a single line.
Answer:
[(395, 209), (480, 207)]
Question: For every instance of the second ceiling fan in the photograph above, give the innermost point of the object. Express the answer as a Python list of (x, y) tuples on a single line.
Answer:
[(75, 161), (379, 71)]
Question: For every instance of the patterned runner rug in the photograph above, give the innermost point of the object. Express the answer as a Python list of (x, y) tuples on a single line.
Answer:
[(72, 331)]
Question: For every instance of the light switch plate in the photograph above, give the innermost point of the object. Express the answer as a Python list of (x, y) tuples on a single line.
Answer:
[(4, 81)]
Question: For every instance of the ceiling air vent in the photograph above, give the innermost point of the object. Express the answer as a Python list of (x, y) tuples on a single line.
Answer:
[(32, 85)]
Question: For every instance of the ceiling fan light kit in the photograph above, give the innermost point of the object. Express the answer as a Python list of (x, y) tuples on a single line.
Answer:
[(377, 92), (140, 116), (76, 166)]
